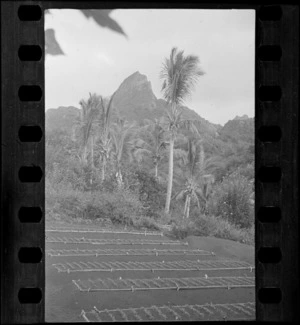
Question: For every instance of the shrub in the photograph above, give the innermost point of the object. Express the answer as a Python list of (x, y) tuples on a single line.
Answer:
[(181, 228), (231, 200), (145, 222), (150, 193), (211, 226), (64, 202)]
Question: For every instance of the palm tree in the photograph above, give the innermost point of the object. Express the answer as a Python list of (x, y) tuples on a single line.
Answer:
[(90, 111), (179, 74), (195, 176), (153, 145), (123, 145), (104, 134)]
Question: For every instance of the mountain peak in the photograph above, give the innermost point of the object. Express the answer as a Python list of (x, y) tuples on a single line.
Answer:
[(135, 97), (136, 80)]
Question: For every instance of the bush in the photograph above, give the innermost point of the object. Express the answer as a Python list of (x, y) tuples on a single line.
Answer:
[(231, 200), (145, 223), (211, 226), (150, 193), (120, 206)]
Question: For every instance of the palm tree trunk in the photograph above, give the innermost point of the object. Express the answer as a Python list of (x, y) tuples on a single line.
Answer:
[(91, 158), (84, 155), (119, 177), (156, 171), (188, 207), (199, 207), (185, 206), (92, 151), (170, 176), (103, 168)]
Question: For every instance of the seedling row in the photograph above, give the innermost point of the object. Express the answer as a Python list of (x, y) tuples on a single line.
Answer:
[(104, 231), (237, 311), (96, 241), (185, 265), (130, 252), (164, 283)]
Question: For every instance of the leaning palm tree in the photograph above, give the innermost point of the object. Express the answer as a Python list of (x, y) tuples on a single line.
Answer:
[(123, 145), (195, 176), (179, 74)]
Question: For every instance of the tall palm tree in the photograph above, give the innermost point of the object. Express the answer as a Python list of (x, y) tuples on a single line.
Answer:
[(195, 176), (179, 74), (123, 145), (105, 133)]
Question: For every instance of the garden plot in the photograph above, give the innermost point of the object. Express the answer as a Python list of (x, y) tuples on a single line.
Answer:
[(182, 265), (96, 241), (184, 281), (164, 283), (237, 311), (126, 252)]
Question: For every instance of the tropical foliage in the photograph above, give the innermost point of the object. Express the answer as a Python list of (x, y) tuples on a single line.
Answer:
[(195, 177), (151, 172)]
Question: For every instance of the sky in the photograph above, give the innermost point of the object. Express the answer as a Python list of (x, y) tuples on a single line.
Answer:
[(98, 59)]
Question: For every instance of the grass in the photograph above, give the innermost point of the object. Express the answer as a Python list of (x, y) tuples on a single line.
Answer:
[(123, 209)]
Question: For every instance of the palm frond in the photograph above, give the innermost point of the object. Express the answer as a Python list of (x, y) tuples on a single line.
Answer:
[(179, 195), (179, 74)]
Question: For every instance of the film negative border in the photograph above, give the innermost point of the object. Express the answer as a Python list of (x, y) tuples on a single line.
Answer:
[(276, 129), (22, 156), (22, 160)]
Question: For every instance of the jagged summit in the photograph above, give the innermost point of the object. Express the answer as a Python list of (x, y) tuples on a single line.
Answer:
[(244, 117), (61, 118), (241, 127)]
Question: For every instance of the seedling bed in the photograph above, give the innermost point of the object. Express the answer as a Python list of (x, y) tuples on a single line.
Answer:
[(164, 283), (129, 252), (187, 265), (236, 311), (96, 241)]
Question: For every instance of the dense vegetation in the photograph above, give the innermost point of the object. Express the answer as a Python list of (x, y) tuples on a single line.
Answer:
[(149, 172)]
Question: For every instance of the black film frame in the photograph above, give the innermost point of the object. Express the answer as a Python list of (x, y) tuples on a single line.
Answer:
[(23, 161)]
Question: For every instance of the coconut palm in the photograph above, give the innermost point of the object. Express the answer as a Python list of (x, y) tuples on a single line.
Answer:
[(89, 113), (123, 145), (151, 144), (195, 176), (179, 74), (105, 142)]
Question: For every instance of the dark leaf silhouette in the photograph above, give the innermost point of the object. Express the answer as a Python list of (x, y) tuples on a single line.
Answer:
[(51, 45), (102, 18)]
